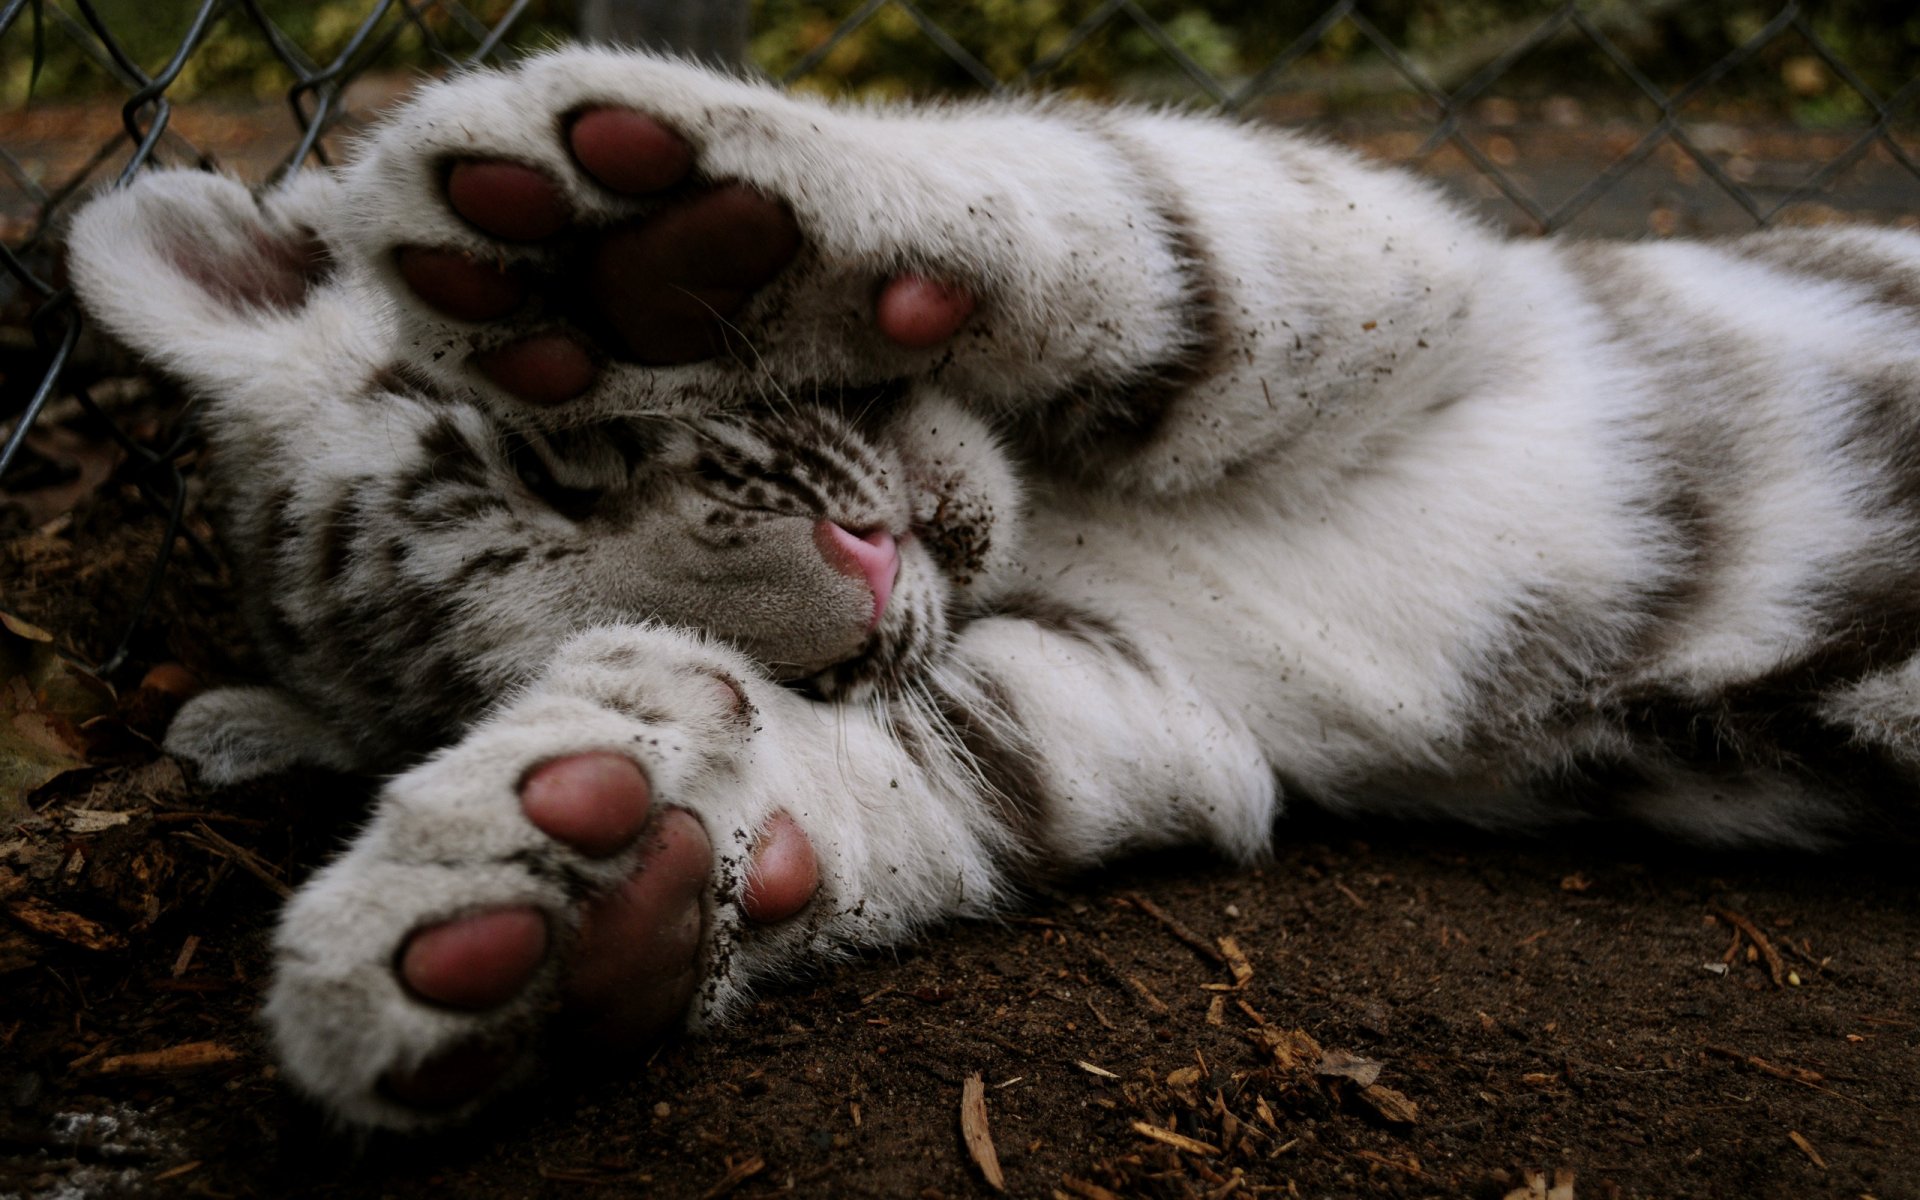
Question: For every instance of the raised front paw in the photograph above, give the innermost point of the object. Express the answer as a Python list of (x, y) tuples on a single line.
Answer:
[(570, 228), (586, 851)]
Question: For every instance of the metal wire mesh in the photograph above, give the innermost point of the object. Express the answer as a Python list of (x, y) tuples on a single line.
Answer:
[(147, 136), (1446, 93), (1445, 104)]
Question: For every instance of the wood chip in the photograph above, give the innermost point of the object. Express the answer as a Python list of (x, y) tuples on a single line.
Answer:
[(1179, 1141), (1173, 925), (973, 1132), (1776, 966), (1147, 997), (1086, 1188), (1410, 1165), (176, 1172), (1090, 1069), (83, 821), (1390, 1105), (1806, 1148), (44, 919), (736, 1175), (184, 959), (1534, 1186), (188, 1056), (1236, 961), (1217, 1010), (1292, 1049)]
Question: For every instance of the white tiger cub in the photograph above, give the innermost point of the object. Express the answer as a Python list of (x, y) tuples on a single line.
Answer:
[(1255, 471)]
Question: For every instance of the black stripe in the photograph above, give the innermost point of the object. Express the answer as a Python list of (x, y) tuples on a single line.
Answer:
[(1883, 434), (405, 379), (986, 727), (1089, 628), (1125, 414), (1890, 282), (488, 563)]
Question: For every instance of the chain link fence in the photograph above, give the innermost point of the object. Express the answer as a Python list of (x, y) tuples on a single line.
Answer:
[(1580, 115)]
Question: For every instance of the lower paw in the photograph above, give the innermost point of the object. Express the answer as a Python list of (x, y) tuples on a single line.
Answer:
[(420, 973)]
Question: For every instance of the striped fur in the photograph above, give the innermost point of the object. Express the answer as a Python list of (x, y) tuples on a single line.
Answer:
[(1260, 472)]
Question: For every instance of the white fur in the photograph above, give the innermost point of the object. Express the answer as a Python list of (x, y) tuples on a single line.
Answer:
[(1403, 513)]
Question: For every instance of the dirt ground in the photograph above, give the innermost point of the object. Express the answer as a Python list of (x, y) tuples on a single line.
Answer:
[(1378, 1011), (1565, 1013)]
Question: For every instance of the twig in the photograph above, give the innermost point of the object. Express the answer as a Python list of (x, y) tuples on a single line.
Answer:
[(1086, 1188), (1179, 1141), (1799, 1075), (247, 860), (1806, 1148), (736, 1175), (1140, 989), (1775, 966), (188, 1056), (1173, 925)]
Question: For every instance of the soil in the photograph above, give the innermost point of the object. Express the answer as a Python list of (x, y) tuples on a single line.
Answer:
[(1417, 1011)]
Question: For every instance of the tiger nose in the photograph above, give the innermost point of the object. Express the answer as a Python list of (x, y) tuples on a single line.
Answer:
[(871, 556)]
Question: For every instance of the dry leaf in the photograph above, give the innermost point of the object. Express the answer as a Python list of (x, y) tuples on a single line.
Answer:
[(43, 701), (1362, 1071)]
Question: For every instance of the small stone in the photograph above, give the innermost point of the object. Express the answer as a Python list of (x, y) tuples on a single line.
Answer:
[(1233, 911), (662, 1110)]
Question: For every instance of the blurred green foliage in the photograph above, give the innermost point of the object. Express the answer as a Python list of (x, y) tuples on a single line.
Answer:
[(1020, 42), (1672, 41), (236, 57)]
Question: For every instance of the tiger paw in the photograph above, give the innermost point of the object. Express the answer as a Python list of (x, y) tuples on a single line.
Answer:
[(582, 853), (601, 232)]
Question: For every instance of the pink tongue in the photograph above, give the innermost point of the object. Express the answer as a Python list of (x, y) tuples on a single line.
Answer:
[(872, 557)]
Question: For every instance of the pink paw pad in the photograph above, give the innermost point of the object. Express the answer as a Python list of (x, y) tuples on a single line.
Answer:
[(476, 962), (628, 152)]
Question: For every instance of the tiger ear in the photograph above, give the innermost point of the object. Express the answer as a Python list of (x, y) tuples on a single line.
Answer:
[(179, 262)]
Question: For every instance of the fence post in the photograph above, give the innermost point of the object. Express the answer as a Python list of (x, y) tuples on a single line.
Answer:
[(715, 30)]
